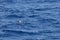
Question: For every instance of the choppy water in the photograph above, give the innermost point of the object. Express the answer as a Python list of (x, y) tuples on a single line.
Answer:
[(29, 19)]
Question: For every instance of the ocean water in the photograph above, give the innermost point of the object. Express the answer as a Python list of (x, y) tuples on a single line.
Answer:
[(29, 19)]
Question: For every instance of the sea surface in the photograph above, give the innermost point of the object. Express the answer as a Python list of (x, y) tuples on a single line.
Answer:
[(29, 19)]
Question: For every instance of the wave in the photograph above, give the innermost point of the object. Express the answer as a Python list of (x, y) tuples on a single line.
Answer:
[(14, 16)]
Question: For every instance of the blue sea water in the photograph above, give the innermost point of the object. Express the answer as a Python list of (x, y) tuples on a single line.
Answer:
[(29, 19)]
